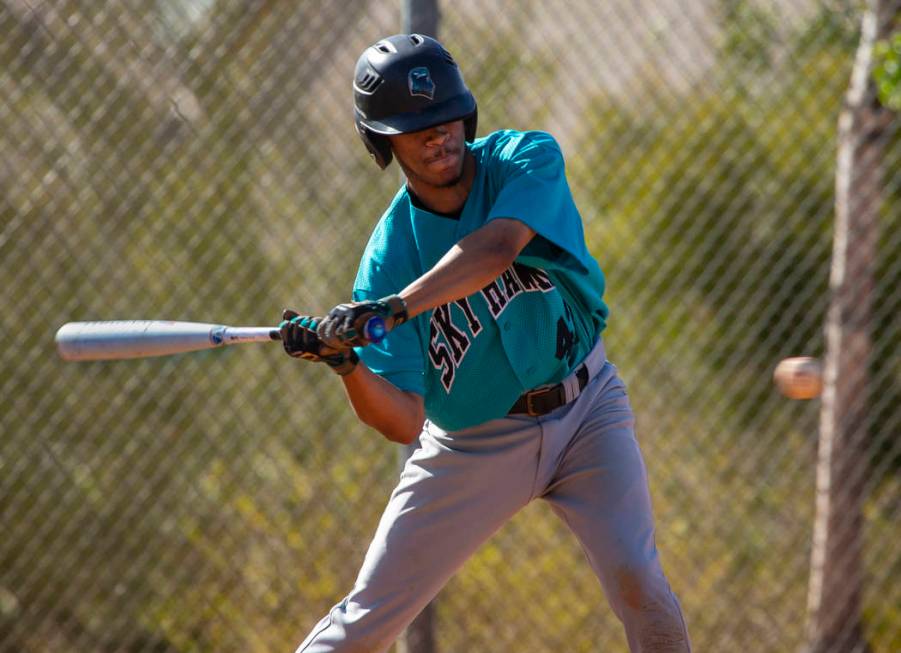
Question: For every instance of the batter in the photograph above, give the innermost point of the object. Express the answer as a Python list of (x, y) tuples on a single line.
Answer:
[(493, 360)]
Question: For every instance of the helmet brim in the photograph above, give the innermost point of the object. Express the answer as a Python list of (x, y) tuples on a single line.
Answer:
[(456, 108)]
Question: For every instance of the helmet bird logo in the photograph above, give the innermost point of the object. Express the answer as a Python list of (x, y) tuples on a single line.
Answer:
[(420, 83)]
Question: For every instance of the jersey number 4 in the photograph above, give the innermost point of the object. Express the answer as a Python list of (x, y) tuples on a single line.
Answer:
[(566, 341)]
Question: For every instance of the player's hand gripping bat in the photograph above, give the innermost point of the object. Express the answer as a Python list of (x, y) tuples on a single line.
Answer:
[(359, 323)]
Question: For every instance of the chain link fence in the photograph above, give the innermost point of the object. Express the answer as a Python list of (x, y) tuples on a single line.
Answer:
[(196, 160)]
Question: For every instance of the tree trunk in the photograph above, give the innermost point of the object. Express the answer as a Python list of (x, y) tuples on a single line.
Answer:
[(836, 580)]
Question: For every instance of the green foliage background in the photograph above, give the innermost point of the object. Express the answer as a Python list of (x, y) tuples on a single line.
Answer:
[(223, 501), (888, 71)]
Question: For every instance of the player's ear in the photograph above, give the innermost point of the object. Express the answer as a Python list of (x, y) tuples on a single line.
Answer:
[(390, 144), (377, 145)]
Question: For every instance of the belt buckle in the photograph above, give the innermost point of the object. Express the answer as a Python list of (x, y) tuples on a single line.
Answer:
[(530, 410)]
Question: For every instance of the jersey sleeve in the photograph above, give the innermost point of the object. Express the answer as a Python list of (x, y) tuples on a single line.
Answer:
[(534, 190), (398, 358)]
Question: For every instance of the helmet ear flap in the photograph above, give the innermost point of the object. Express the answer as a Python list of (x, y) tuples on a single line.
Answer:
[(378, 146), (469, 125)]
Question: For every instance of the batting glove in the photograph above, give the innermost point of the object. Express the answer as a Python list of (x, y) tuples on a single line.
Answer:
[(299, 338), (345, 325)]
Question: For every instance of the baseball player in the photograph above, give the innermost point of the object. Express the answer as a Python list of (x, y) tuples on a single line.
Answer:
[(492, 358)]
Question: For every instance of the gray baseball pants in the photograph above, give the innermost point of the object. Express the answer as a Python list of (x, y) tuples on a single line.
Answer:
[(459, 488)]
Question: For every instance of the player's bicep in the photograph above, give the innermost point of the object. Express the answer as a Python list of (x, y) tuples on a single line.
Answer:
[(504, 236), (512, 231)]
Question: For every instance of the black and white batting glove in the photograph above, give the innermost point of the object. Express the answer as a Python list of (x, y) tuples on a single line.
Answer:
[(299, 338), (350, 325)]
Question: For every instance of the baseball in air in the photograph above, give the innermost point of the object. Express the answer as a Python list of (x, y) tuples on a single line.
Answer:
[(800, 377)]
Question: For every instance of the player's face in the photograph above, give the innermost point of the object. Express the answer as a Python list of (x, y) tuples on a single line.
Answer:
[(432, 156)]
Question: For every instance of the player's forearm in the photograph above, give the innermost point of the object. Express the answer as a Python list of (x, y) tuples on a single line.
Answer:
[(470, 265), (396, 414)]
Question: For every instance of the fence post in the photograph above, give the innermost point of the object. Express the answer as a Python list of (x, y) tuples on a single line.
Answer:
[(422, 17)]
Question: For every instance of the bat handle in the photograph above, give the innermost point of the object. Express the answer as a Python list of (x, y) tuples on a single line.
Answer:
[(374, 330)]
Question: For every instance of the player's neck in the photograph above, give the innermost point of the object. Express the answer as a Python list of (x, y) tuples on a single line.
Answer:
[(445, 199)]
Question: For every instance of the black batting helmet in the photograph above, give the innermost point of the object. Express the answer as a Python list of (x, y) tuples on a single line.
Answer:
[(407, 83)]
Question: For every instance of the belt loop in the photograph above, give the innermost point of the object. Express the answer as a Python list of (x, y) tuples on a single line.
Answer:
[(531, 411)]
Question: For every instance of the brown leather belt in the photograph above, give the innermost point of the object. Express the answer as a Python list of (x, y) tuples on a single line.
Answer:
[(542, 401)]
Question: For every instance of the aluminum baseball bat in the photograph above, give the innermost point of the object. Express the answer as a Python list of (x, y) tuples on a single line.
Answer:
[(124, 339)]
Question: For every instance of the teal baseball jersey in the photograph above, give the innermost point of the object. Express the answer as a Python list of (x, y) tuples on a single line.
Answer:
[(472, 358)]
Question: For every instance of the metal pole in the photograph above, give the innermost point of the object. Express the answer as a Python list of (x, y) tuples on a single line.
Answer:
[(420, 17)]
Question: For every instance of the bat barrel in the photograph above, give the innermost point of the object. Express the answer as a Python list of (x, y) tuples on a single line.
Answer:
[(123, 339)]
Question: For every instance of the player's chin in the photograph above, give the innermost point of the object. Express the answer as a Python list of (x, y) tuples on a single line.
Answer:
[(446, 171)]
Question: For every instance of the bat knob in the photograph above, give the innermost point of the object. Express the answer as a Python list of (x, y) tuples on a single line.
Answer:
[(374, 331)]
